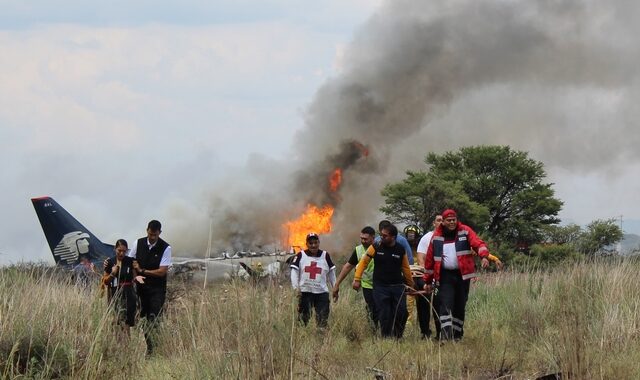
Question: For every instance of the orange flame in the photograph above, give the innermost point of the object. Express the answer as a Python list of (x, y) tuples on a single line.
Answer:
[(314, 219), (362, 148), (335, 179)]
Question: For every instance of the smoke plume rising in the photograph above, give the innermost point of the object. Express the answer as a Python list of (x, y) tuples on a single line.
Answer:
[(557, 79)]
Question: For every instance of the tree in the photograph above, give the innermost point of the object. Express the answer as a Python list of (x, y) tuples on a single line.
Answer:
[(569, 234), (508, 183), (420, 196), (599, 235), (552, 254)]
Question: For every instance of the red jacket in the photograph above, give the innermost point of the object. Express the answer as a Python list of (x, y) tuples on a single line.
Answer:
[(466, 240)]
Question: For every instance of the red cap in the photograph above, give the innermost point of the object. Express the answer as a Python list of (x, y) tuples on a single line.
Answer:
[(448, 213)]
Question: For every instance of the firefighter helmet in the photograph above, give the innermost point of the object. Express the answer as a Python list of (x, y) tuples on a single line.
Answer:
[(412, 228)]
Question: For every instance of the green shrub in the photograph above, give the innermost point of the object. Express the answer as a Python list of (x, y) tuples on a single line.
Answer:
[(552, 254)]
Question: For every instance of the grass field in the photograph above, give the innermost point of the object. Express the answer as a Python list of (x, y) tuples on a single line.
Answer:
[(581, 320)]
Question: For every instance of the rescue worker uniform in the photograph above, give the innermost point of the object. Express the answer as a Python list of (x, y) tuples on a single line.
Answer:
[(311, 275), (450, 263), (366, 282)]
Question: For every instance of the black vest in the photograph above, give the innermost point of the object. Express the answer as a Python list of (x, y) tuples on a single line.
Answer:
[(388, 265), (150, 259)]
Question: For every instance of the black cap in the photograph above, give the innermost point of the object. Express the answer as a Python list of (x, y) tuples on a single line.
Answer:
[(313, 236)]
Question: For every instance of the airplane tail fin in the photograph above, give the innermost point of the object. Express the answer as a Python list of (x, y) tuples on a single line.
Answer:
[(68, 239)]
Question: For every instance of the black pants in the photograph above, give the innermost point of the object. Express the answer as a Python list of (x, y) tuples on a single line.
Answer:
[(425, 309), (124, 302), (319, 302), (453, 293), (151, 303), (371, 307), (391, 304)]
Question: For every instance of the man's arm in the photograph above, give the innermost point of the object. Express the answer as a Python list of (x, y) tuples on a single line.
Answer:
[(346, 268), (406, 272), (428, 268), (423, 245), (165, 263), (295, 272), (160, 272), (479, 246)]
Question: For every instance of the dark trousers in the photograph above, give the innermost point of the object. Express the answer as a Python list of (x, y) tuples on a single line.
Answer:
[(425, 309), (453, 293), (124, 302), (371, 306), (151, 303), (391, 304), (319, 302)]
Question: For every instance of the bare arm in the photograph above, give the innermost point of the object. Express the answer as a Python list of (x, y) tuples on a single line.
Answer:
[(346, 268), (160, 272), (420, 257)]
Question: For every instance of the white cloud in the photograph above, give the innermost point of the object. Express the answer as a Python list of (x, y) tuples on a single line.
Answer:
[(92, 113)]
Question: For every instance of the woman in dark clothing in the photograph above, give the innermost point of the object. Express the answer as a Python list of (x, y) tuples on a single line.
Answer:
[(119, 278)]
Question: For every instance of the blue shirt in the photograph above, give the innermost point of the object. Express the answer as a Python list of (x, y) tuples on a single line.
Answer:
[(404, 243)]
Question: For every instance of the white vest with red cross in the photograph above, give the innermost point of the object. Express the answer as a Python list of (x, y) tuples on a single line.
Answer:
[(313, 273)]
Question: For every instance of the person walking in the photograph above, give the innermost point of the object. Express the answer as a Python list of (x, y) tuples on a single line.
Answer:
[(427, 303), (312, 272), (152, 257), (119, 278), (390, 274), (367, 235), (450, 263)]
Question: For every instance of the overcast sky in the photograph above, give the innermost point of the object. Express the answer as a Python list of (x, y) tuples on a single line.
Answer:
[(124, 113)]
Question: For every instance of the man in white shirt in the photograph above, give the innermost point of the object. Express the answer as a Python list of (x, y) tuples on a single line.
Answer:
[(423, 304), (152, 257)]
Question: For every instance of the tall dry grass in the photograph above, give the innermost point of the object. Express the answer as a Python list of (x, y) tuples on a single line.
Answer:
[(580, 320), (51, 329)]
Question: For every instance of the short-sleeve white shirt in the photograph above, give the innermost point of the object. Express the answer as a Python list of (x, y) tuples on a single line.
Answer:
[(166, 255), (423, 245)]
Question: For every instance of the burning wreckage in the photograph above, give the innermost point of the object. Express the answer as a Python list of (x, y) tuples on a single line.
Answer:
[(316, 217), (68, 239), (243, 265)]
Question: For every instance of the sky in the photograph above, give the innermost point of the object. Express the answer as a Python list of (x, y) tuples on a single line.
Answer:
[(195, 112)]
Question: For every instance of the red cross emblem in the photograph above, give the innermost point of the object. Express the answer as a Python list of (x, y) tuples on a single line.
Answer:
[(313, 270)]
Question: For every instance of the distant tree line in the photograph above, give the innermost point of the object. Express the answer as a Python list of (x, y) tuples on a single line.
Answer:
[(501, 193)]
